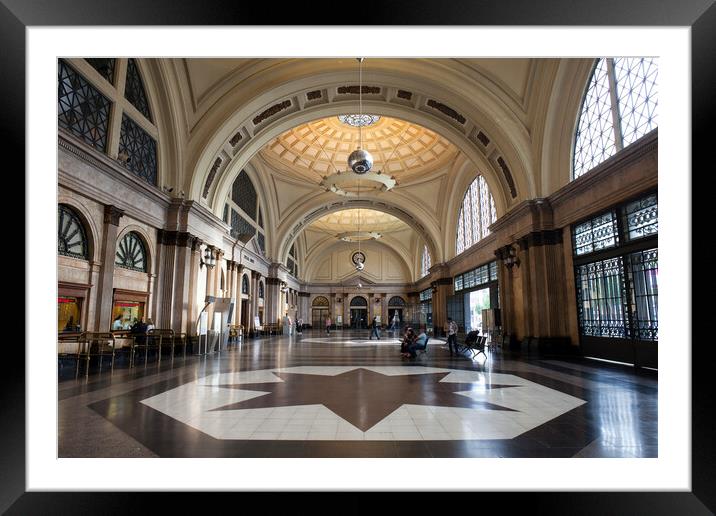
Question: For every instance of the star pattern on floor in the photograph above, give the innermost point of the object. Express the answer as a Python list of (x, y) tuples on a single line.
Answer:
[(363, 397)]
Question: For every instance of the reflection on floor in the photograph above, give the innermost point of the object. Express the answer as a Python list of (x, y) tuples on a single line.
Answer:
[(346, 396)]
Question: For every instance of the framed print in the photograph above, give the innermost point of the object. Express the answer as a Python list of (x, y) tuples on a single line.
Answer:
[(522, 150)]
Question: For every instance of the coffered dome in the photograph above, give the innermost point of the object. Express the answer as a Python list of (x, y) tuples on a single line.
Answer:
[(398, 147), (348, 220)]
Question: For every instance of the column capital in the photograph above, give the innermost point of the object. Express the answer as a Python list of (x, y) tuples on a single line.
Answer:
[(112, 214)]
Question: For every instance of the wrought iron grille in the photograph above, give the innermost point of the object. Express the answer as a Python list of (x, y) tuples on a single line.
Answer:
[(141, 150), (396, 301), (71, 237), (243, 194), (320, 301), (476, 214), (359, 301), (81, 109), (642, 217), (134, 90), (596, 234), (601, 298), (240, 226), (643, 277), (131, 253), (104, 65)]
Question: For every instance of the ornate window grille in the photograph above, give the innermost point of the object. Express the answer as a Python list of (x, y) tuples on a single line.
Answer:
[(131, 253), (134, 90), (105, 66), (141, 150), (240, 226), (320, 301), (477, 213), (71, 236), (619, 107), (396, 301), (244, 195), (642, 218), (476, 278), (596, 234), (81, 108)]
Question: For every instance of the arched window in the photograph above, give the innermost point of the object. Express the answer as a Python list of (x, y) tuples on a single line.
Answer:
[(244, 195), (86, 113), (244, 284), (425, 262), (605, 126), (131, 253), (476, 214), (320, 301), (396, 301), (222, 280), (359, 301), (261, 290), (71, 236)]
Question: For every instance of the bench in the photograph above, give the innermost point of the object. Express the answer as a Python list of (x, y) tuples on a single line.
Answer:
[(475, 343)]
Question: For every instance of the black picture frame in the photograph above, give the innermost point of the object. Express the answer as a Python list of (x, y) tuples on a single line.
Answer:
[(699, 15)]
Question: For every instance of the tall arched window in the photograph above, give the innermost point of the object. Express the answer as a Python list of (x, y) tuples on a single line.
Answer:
[(244, 284), (619, 107), (261, 290), (88, 105), (476, 214), (425, 262), (131, 253), (71, 236)]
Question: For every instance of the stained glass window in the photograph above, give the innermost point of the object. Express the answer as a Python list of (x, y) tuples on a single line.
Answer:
[(105, 66), (425, 262), (81, 109), (71, 237), (243, 194), (131, 253), (134, 89), (476, 215), (141, 150), (605, 128)]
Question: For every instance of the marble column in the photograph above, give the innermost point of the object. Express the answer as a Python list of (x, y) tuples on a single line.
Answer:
[(103, 313)]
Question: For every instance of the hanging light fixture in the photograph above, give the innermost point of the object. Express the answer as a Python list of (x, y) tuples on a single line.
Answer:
[(360, 160)]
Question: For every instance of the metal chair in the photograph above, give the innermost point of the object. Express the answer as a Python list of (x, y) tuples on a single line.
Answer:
[(95, 344), (143, 341), (161, 337)]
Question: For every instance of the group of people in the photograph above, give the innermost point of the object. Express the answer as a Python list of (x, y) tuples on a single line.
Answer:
[(412, 342)]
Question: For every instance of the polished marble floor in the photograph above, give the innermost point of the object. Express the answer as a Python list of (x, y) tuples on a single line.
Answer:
[(346, 396)]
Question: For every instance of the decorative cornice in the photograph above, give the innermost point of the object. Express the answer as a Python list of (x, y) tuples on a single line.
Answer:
[(112, 214), (613, 165)]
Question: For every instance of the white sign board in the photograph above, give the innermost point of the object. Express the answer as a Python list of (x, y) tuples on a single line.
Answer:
[(202, 323), (257, 322)]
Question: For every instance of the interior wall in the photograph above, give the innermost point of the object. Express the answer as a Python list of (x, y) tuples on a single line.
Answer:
[(382, 264)]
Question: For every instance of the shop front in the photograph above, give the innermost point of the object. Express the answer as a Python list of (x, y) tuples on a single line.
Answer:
[(71, 307), (128, 307)]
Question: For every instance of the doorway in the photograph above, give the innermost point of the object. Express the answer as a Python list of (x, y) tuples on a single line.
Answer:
[(359, 313), (318, 317), (245, 314)]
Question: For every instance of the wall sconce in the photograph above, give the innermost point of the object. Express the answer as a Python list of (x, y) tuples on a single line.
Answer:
[(511, 260), (284, 287), (208, 259), (434, 288)]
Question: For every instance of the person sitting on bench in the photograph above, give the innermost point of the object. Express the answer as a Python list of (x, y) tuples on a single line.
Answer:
[(420, 343), (408, 339)]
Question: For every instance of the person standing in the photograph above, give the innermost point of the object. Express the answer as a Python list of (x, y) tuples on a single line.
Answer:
[(375, 327), (452, 335), (328, 325), (395, 322)]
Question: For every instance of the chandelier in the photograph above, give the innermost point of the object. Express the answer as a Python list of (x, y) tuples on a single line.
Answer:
[(356, 236), (360, 161)]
